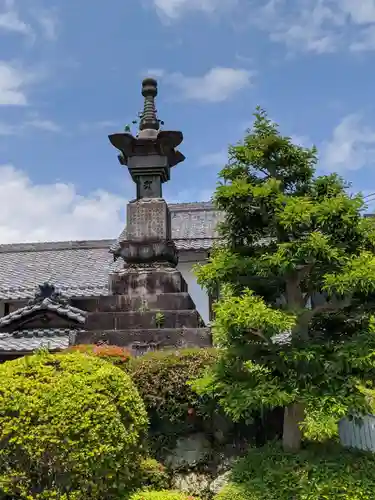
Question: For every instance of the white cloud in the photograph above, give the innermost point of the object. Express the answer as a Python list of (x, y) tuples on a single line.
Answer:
[(27, 125), (10, 20), (8, 129), (351, 147), (155, 73), (319, 26), (55, 212), (217, 85), (217, 159), (174, 9), (109, 125), (48, 22), (13, 84), (312, 26), (365, 41), (46, 125), (44, 21), (360, 12), (301, 140)]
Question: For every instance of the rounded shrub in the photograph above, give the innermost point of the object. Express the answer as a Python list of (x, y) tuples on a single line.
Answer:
[(317, 472), (162, 495), (70, 424), (162, 380)]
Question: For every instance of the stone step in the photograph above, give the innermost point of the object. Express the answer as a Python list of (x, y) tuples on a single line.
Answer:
[(146, 281), (142, 319), (112, 303), (143, 340)]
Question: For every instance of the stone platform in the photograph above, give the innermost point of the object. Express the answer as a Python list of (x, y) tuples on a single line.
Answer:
[(148, 309)]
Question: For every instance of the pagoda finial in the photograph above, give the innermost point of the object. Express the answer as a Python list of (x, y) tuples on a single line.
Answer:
[(149, 120)]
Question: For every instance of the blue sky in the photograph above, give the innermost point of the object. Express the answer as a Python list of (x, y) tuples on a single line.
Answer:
[(70, 74)]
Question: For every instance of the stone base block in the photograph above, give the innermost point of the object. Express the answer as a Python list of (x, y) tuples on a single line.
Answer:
[(113, 303), (148, 252), (142, 319), (148, 339), (146, 282)]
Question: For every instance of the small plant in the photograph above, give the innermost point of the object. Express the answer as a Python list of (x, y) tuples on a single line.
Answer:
[(144, 306), (153, 475), (128, 127), (159, 319)]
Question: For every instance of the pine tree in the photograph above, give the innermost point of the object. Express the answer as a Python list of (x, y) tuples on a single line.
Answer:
[(296, 273)]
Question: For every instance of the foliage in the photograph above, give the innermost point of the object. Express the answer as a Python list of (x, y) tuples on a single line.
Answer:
[(233, 492), (115, 354), (162, 495), (159, 319), (153, 475), (296, 258), (317, 472), (68, 423), (161, 378)]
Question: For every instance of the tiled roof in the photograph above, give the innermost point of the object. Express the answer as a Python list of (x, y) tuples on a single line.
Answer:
[(81, 268), (30, 340), (48, 305)]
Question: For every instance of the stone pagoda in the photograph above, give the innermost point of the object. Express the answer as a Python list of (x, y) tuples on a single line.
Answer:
[(148, 306)]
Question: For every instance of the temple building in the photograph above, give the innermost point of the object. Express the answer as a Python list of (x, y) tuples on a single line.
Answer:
[(137, 290)]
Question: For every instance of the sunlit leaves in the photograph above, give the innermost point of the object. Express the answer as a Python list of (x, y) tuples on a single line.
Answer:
[(358, 275), (293, 239), (247, 318)]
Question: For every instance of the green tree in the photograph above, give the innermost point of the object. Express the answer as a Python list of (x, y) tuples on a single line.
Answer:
[(296, 272)]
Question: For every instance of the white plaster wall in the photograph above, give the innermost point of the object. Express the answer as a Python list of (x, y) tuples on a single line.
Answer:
[(199, 295)]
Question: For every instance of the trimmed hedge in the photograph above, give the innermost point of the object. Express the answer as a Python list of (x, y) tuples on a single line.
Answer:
[(162, 495), (317, 472), (68, 423), (112, 353), (161, 378)]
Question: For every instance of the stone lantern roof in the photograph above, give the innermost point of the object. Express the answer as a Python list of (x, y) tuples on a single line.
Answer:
[(151, 154)]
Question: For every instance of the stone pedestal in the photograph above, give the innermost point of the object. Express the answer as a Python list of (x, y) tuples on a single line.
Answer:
[(148, 235), (148, 309)]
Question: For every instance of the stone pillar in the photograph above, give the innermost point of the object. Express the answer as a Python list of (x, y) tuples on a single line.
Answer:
[(148, 235)]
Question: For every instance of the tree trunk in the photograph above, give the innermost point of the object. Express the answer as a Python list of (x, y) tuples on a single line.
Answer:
[(292, 435)]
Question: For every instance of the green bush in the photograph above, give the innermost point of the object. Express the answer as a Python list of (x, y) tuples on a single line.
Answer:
[(162, 495), (234, 492), (315, 473), (161, 378), (153, 475), (68, 423)]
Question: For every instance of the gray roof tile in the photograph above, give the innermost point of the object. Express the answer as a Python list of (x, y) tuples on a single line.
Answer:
[(81, 268), (49, 305), (30, 340)]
